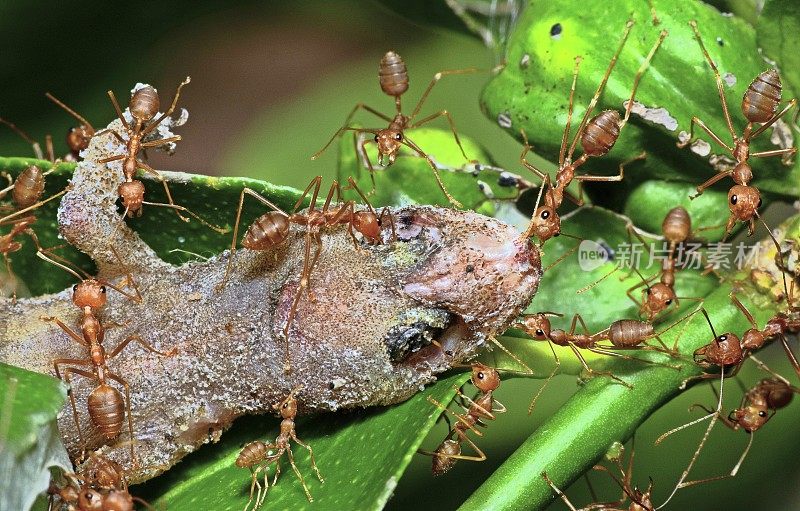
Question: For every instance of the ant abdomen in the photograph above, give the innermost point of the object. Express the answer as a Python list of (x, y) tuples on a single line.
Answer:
[(252, 453), (629, 332), (443, 457), (144, 104), (107, 410), (677, 225), (760, 101), (601, 133), (28, 187), (266, 231), (393, 74)]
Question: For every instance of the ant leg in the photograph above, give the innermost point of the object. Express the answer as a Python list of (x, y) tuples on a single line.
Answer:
[(157, 174), (458, 417), (790, 354), (697, 122), (567, 126), (713, 179), (74, 335), (127, 387), (37, 150), (369, 164), (18, 213), (313, 188), (526, 148), (732, 473), (176, 207), (481, 456), (776, 152), (253, 483), (161, 141), (720, 88), (341, 130), (386, 212), (438, 76), (305, 276), (618, 177), (558, 492), (443, 113), (136, 337), (739, 305), (772, 121), (67, 372), (528, 371), (75, 115), (121, 117), (407, 141), (605, 350), (11, 277), (311, 454), (638, 77), (113, 158), (150, 127), (297, 472), (594, 373), (549, 378), (714, 413)]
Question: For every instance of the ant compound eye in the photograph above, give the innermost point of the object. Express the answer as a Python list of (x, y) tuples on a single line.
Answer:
[(74, 288), (545, 215), (759, 203), (481, 376), (376, 138), (668, 302), (103, 289), (556, 235), (648, 291), (723, 338), (398, 137), (762, 413), (734, 199), (539, 332)]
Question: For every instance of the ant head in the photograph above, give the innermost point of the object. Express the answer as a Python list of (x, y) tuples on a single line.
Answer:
[(537, 326), (78, 138), (677, 225), (750, 417), (389, 142), (118, 500), (89, 293), (724, 350), (601, 133), (657, 298), (367, 224), (91, 500), (485, 378), (287, 407), (744, 201), (144, 104), (753, 339), (132, 194), (641, 501), (545, 223)]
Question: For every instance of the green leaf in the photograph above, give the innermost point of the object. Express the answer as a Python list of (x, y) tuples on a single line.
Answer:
[(777, 30), (29, 439), (361, 455), (213, 198), (532, 91)]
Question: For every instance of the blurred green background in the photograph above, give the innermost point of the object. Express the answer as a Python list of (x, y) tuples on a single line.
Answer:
[(271, 81)]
